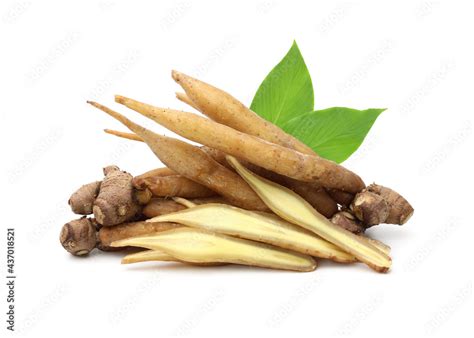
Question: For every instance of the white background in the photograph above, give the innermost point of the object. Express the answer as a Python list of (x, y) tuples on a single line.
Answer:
[(415, 58)]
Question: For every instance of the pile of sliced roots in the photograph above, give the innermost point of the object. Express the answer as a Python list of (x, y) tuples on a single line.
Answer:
[(251, 194)]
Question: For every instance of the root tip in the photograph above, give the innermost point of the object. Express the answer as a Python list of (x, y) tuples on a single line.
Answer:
[(119, 98), (176, 75)]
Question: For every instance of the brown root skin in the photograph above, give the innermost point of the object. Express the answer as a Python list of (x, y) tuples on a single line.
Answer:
[(143, 196), (191, 162), (108, 235), (370, 208), (311, 192), (82, 200), (273, 157), (79, 237), (314, 195), (184, 98), (341, 197), (174, 185), (164, 171), (223, 108), (122, 134), (161, 206), (347, 221), (116, 202), (400, 210), (323, 201)]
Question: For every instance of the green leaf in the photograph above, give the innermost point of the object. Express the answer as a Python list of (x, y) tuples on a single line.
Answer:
[(333, 133), (286, 98), (287, 90)]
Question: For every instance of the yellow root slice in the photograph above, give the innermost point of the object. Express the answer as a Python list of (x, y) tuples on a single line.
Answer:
[(290, 206), (156, 256), (259, 227), (378, 244), (202, 246), (148, 256)]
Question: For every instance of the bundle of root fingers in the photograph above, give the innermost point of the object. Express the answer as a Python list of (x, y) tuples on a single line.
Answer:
[(251, 194)]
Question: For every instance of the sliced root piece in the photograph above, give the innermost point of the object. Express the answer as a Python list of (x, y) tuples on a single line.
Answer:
[(157, 256), (293, 208), (148, 256), (261, 227), (311, 192), (378, 244), (201, 246), (314, 195)]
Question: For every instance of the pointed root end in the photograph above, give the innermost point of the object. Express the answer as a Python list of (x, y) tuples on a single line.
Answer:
[(176, 75)]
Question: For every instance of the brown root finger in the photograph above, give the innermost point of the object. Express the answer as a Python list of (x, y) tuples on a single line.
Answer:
[(400, 210), (270, 156), (163, 186), (108, 235), (116, 201), (370, 208), (223, 108), (191, 162), (347, 221), (161, 206), (82, 200), (79, 237)]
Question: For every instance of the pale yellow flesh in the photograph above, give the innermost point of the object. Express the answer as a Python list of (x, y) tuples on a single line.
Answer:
[(378, 244), (261, 227), (157, 256), (290, 206), (147, 256), (202, 246)]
